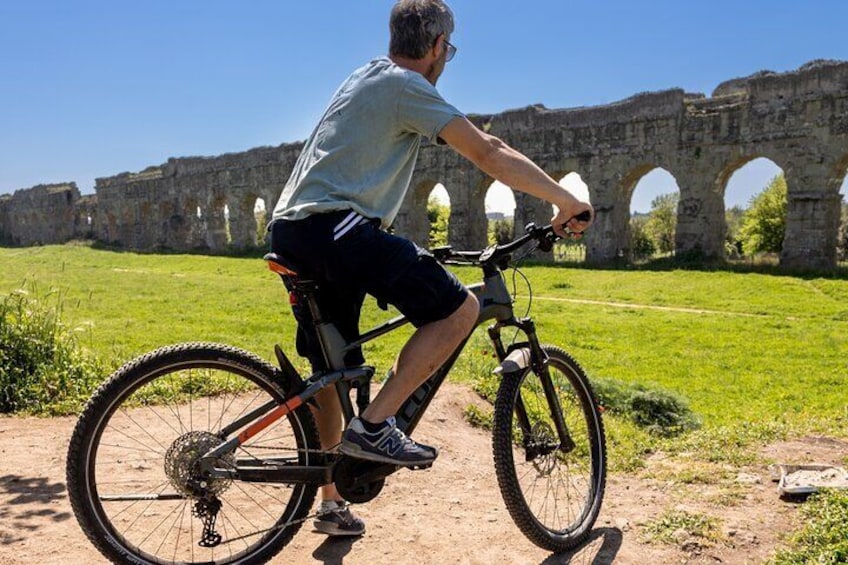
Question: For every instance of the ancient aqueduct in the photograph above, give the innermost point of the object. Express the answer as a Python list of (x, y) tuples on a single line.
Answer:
[(799, 120)]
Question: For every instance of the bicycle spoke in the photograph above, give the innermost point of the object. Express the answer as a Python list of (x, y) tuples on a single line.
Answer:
[(156, 420)]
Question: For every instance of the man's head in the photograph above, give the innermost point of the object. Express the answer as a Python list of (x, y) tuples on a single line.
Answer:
[(421, 28)]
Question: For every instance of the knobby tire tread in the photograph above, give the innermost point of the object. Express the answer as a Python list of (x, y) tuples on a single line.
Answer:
[(508, 483), (136, 370)]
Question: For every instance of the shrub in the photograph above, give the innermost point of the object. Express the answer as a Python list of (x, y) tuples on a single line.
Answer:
[(42, 369), (660, 412)]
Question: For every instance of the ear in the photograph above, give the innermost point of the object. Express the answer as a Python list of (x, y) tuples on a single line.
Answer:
[(439, 46)]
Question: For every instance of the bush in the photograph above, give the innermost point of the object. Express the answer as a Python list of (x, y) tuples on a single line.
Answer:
[(42, 369), (660, 412)]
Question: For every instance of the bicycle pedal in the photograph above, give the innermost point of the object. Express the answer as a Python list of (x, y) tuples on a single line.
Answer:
[(420, 467)]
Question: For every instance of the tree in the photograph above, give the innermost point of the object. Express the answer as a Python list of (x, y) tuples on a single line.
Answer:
[(438, 214), (500, 231), (662, 222), (641, 245), (764, 223), (733, 218)]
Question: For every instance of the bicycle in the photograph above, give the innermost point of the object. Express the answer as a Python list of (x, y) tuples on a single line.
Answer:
[(202, 452)]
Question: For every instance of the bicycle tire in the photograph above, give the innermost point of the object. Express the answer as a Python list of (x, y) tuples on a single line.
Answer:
[(139, 435), (559, 513)]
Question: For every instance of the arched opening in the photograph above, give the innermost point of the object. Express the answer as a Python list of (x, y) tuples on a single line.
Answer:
[(260, 214), (500, 213), (227, 232), (572, 250), (653, 214), (754, 191), (438, 215)]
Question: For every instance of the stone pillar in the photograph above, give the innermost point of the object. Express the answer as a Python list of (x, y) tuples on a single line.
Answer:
[(701, 222), (812, 218), (215, 226), (468, 226), (609, 236), (243, 222)]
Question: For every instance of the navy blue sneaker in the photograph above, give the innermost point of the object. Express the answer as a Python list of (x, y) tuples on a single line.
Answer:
[(335, 519), (388, 445)]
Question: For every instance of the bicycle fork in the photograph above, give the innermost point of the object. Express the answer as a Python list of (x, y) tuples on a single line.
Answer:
[(521, 358)]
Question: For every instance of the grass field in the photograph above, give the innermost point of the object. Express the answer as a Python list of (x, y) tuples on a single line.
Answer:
[(745, 349)]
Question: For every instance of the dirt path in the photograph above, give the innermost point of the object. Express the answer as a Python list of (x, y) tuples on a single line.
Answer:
[(452, 513)]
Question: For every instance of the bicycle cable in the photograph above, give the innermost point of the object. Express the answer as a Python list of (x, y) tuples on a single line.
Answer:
[(517, 271)]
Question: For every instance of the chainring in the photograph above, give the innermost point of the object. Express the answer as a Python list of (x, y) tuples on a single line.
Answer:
[(348, 474)]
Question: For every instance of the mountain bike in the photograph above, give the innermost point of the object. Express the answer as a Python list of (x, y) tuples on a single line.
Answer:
[(206, 453)]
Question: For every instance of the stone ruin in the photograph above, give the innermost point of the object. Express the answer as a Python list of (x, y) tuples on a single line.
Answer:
[(798, 120)]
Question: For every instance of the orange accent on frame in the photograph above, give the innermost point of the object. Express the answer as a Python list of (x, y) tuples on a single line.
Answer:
[(272, 417), (280, 270)]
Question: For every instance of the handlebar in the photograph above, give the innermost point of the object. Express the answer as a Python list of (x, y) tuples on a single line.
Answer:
[(499, 255)]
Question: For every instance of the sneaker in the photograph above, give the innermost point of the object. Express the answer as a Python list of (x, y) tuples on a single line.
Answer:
[(387, 445), (336, 519)]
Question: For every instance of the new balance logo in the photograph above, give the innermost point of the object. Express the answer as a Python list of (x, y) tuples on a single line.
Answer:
[(391, 444)]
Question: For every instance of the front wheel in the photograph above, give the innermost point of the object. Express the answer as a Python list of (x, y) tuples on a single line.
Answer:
[(552, 489), (134, 477)]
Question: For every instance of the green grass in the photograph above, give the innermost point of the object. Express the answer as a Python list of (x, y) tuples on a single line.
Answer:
[(824, 537), (756, 356), (768, 350)]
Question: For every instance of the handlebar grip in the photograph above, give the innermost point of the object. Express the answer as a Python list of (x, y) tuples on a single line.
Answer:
[(583, 216)]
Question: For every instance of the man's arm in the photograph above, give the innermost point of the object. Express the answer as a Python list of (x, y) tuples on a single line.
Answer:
[(503, 163)]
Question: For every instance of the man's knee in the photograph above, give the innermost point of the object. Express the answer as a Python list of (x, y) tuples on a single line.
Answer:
[(466, 315)]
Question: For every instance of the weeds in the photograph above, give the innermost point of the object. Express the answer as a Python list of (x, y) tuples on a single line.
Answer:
[(677, 526), (42, 369), (824, 539)]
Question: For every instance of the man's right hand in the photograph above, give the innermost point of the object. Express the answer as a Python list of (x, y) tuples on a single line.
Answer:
[(571, 219)]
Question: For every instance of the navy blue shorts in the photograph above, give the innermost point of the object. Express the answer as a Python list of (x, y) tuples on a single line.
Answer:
[(363, 259)]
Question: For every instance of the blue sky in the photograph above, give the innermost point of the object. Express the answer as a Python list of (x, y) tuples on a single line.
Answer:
[(95, 88)]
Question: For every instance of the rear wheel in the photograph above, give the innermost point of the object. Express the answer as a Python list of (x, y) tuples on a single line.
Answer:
[(553, 492), (134, 478)]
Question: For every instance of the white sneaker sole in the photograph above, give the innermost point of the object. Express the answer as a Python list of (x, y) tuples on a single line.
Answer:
[(356, 451), (334, 530)]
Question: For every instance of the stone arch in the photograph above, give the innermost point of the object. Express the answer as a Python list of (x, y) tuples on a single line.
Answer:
[(573, 251), (738, 183), (242, 224), (500, 207), (261, 216), (440, 196), (650, 181), (659, 187)]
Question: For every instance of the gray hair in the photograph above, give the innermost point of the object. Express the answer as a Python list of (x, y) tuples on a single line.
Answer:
[(416, 24)]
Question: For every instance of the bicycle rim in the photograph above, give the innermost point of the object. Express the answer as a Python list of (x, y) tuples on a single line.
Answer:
[(139, 439), (554, 495)]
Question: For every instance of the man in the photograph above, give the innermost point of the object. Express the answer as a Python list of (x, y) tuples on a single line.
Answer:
[(347, 186)]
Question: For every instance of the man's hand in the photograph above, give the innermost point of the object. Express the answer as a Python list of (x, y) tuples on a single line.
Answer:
[(566, 222)]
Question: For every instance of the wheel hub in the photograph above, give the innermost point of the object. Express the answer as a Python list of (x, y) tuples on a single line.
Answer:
[(182, 465), (541, 448)]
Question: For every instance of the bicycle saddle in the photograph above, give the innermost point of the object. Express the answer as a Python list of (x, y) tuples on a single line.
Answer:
[(279, 265)]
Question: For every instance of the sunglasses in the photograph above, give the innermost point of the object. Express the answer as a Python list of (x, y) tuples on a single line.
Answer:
[(451, 50)]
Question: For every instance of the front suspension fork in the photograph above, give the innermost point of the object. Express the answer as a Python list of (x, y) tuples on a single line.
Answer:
[(538, 362)]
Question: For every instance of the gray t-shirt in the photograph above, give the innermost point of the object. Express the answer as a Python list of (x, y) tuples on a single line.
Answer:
[(363, 151)]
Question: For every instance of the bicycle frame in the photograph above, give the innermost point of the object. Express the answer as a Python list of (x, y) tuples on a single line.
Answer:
[(495, 304)]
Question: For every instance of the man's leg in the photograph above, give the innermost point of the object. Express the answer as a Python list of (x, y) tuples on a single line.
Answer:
[(334, 517), (426, 350)]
